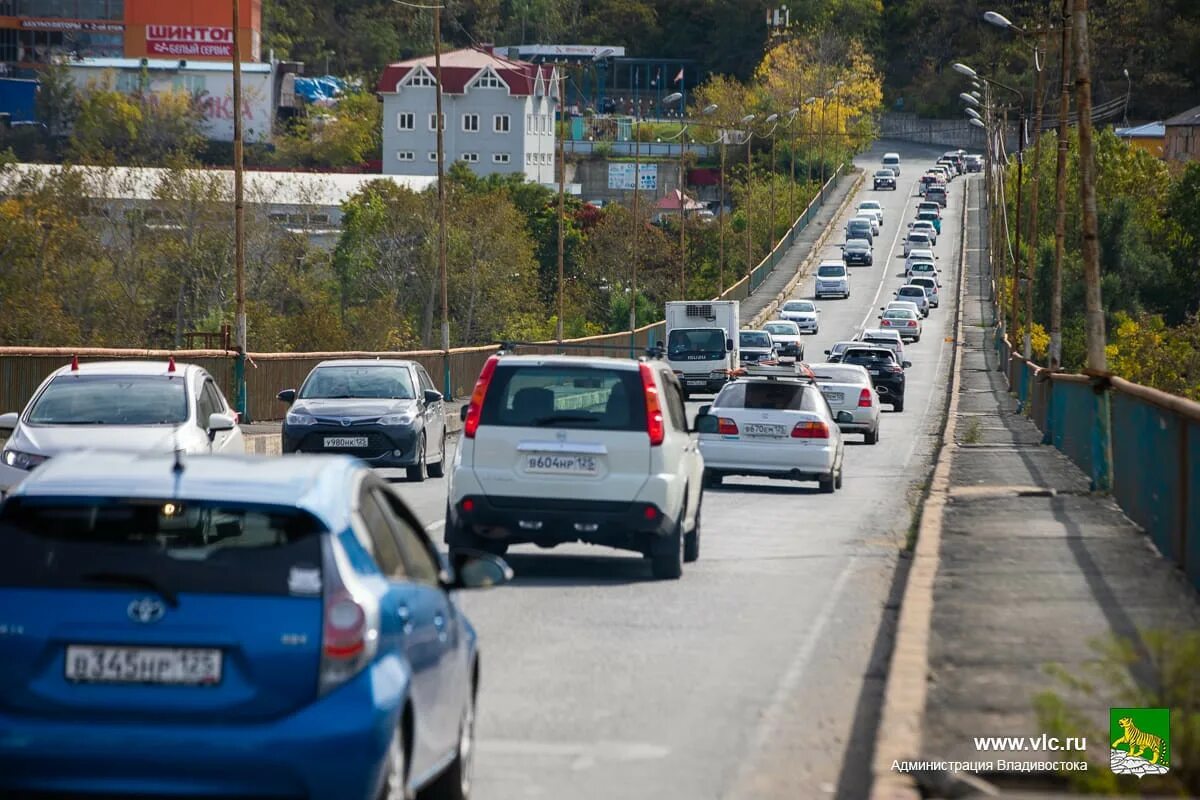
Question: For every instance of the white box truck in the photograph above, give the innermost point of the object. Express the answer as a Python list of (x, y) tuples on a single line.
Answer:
[(702, 343)]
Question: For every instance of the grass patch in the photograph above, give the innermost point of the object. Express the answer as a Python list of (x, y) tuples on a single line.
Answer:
[(973, 432)]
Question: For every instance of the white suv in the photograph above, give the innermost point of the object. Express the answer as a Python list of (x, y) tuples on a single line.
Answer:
[(560, 449)]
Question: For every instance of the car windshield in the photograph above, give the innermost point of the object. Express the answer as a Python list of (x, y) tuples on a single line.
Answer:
[(782, 329), (922, 266), (766, 395), (799, 305), (384, 381), (857, 244), (831, 271), (840, 374), (112, 400), (167, 544), (754, 339), (696, 343), (565, 396), (925, 283)]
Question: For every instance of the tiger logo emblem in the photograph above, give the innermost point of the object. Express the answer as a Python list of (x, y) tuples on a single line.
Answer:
[(1137, 742)]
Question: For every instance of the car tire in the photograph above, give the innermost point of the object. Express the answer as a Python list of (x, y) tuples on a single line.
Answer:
[(454, 783), (827, 484), (691, 542), (871, 437), (416, 473), (396, 776), (668, 564), (837, 481), (712, 480), (898, 405), (438, 469)]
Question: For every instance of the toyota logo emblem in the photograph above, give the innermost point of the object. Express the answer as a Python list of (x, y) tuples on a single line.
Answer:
[(346, 423), (146, 610)]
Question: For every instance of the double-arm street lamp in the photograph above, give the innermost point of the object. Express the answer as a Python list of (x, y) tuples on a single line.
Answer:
[(709, 110)]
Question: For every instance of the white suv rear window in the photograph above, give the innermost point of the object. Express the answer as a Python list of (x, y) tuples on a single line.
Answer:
[(565, 396)]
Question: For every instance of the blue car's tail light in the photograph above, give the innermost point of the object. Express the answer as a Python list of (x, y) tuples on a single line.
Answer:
[(350, 627)]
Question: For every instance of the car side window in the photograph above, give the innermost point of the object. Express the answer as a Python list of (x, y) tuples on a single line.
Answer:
[(675, 407), (423, 378), (379, 534), (420, 563), (207, 404)]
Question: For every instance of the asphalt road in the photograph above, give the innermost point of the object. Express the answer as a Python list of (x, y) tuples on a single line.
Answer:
[(758, 675)]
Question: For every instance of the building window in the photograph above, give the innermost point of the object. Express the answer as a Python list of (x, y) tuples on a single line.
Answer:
[(528, 159), (404, 155), (489, 81), (471, 158), (433, 117), (470, 123), (529, 123), (500, 158), (433, 156), (501, 123), (406, 121), (421, 78)]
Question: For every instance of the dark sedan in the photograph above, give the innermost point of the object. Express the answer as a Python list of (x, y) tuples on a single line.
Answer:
[(385, 412), (886, 373), (884, 179), (858, 251)]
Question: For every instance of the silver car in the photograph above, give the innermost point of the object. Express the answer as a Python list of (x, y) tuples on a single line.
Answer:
[(847, 387), (804, 313), (915, 294), (135, 406), (929, 284)]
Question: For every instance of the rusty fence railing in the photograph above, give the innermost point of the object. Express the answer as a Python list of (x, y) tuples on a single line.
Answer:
[(1152, 457)]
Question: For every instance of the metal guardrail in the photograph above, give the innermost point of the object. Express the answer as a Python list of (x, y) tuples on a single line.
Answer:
[(22, 369), (1155, 439)]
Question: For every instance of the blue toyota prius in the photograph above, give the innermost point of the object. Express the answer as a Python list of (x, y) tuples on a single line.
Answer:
[(226, 625)]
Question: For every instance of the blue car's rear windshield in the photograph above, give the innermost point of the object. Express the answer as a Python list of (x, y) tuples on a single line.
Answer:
[(158, 544)]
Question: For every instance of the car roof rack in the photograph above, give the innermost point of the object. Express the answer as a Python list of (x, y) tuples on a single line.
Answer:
[(657, 350), (784, 368)]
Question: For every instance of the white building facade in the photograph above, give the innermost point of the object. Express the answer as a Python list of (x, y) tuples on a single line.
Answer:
[(499, 115)]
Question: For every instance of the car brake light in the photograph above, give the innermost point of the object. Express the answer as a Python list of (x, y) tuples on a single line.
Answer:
[(350, 622), (895, 368), (864, 398), (911, 324), (650, 512), (654, 414), (475, 408), (467, 505), (810, 430), (726, 426)]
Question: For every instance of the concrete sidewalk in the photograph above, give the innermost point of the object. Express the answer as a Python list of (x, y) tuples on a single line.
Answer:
[(809, 244), (1032, 570)]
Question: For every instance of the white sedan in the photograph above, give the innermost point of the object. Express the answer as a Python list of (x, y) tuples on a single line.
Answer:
[(774, 426), (847, 387), (152, 407), (804, 313)]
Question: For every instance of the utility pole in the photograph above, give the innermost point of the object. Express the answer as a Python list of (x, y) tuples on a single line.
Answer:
[(771, 194), (749, 218), (1060, 192), (1039, 87), (682, 209), (1097, 363), (633, 240), (1016, 261), (441, 184), (239, 222), (562, 203), (721, 223)]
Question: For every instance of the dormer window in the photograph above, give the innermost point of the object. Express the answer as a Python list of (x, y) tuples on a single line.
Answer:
[(419, 77), (488, 80)]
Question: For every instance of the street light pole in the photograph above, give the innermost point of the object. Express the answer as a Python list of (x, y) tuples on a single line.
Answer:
[(239, 223), (633, 240), (721, 222), (749, 198)]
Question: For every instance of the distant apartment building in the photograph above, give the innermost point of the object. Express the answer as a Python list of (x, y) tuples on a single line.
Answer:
[(498, 115)]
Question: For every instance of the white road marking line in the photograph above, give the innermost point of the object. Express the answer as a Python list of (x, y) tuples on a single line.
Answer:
[(887, 261), (771, 715)]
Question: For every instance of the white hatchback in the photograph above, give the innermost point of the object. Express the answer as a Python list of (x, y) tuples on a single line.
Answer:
[(559, 449), (774, 426)]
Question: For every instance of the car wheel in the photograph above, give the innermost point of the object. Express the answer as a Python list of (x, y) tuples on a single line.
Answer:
[(394, 779), (827, 484), (668, 563), (455, 781), (712, 479), (837, 483), (438, 468), (691, 542), (898, 405), (416, 472), (871, 436)]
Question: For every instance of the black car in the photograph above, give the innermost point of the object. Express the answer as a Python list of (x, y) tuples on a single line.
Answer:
[(887, 374), (385, 412), (858, 251), (885, 179)]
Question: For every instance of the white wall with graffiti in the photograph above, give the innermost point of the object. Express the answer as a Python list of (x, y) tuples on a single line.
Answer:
[(211, 81)]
